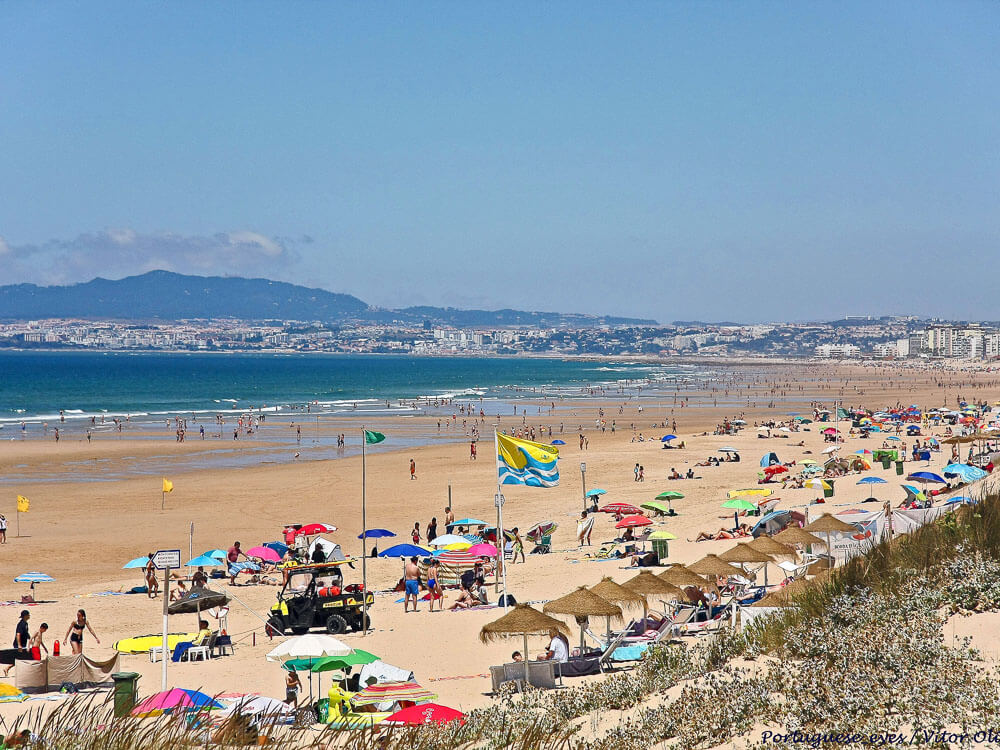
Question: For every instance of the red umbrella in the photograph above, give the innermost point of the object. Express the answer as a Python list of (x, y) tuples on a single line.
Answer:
[(425, 713), (316, 528), (631, 521), (623, 508), (772, 470)]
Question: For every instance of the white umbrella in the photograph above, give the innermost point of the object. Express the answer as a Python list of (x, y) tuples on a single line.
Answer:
[(446, 539), (309, 646), (831, 449), (257, 704)]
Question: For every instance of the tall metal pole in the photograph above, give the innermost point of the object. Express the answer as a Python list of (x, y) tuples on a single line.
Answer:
[(364, 534), (501, 540), (583, 477), (166, 625)]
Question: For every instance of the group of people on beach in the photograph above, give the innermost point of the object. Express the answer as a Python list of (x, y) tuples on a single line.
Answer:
[(28, 646)]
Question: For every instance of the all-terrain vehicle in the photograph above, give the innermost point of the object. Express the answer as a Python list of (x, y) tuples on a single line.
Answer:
[(314, 596)]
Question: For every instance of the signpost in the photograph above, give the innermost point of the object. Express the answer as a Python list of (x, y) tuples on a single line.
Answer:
[(164, 560)]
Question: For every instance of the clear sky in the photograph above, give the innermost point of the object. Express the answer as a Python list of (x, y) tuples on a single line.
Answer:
[(675, 160)]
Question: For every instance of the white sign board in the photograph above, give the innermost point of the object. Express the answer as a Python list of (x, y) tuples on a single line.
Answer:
[(167, 558)]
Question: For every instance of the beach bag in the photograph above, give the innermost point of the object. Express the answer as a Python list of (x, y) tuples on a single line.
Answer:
[(67, 687), (508, 601)]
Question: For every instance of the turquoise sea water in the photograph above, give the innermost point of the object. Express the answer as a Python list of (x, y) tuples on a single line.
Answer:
[(37, 386)]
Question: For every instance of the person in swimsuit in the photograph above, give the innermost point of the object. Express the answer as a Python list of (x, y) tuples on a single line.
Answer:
[(152, 585), (74, 634), (411, 582), (434, 587)]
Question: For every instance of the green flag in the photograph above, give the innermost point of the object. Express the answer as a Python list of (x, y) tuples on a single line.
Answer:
[(373, 437)]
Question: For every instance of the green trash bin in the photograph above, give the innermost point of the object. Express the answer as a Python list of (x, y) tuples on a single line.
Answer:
[(899, 468), (660, 548), (885, 462), (126, 688), (828, 492)]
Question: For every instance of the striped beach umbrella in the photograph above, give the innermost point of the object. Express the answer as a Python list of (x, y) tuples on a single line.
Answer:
[(34, 578), (391, 692)]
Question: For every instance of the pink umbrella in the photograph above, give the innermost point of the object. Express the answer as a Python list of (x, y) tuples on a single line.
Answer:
[(483, 550), (264, 553), (425, 713), (170, 700)]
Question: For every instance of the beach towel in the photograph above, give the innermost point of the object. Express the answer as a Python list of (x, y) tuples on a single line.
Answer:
[(583, 527)]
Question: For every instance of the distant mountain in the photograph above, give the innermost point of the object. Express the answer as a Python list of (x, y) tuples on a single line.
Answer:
[(163, 295)]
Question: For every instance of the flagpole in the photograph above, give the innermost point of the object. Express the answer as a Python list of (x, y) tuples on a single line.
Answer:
[(364, 535), (501, 540)]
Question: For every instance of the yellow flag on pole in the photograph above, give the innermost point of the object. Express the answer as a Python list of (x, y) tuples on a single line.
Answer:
[(168, 486), (23, 504)]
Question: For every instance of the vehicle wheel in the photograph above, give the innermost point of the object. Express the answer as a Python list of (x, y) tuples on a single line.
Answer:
[(335, 625), (275, 627), (300, 629)]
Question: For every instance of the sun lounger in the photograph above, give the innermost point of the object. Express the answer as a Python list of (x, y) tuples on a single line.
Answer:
[(541, 674), (516, 672)]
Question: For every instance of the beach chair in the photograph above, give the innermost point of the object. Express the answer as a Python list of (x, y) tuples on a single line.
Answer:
[(541, 674), (497, 677), (543, 546), (607, 656), (202, 652), (222, 643), (516, 672), (795, 570), (155, 654)]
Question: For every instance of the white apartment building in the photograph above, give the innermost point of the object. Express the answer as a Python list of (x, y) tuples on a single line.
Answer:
[(838, 351)]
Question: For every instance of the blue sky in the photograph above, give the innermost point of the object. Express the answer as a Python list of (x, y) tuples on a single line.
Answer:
[(665, 160)]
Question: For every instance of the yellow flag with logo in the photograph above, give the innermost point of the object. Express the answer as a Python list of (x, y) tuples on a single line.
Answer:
[(168, 486), (23, 504)]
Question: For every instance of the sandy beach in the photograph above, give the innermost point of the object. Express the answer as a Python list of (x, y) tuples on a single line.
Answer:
[(81, 531)]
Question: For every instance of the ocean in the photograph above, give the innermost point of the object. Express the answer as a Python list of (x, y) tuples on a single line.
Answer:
[(38, 387)]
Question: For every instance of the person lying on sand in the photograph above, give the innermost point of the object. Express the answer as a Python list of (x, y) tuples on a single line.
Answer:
[(723, 533)]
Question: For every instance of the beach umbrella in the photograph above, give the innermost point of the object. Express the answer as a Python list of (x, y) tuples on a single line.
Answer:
[(596, 492), (894, 439), (204, 561), (405, 550), (870, 481), (469, 522), (540, 529), (807, 462), (769, 546), (558, 442), (623, 508), (966, 472), (750, 492), (196, 600), (251, 705), (630, 522), (316, 528), (139, 562), (309, 646), (736, 505), (831, 449), (278, 547), (827, 524), (816, 484), (450, 541), (680, 576), (612, 592), (172, 700), (582, 604), (670, 495), (524, 621), (654, 506), (664, 535), (728, 449), (264, 553), (649, 585), (925, 477), (375, 534), (712, 565), (745, 554), (425, 713), (391, 692), (783, 596), (667, 438), (770, 471), (483, 550), (356, 658), (220, 554), (34, 577), (795, 535)]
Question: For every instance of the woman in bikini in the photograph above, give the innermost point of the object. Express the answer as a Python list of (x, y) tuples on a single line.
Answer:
[(75, 632), (434, 586), (152, 585)]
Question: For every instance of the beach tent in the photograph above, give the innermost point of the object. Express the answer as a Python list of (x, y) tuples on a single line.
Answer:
[(769, 459), (332, 550)]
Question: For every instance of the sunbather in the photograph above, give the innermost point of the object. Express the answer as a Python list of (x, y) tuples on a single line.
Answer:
[(723, 533)]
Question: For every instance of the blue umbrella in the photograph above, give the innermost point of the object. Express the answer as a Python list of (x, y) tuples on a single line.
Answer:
[(960, 499), (219, 553), (204, 561), (965, 471), (468, 522), (558, 442), (894, 438), (667, 438), (375, 534), (278, 547), (404, 550), (596, 492), (34, 578), (926, 476), (139, 562), (871, 480)]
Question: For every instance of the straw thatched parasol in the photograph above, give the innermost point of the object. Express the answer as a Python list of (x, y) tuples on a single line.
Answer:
[(743, 554), (828, 523), (681, 575), (795, 535), (582, 604), (711, 565), (769, 546), (522, 620), (649, 585), (783, 596), (612, 592)]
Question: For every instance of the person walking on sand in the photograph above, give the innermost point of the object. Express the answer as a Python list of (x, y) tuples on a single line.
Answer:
[(3, 529), (233, 556), (518, 545), (152, 585), (415, 532), (411, 582), (434, 585), (413, 469), (584, 528), (21, 638), (74, 633)]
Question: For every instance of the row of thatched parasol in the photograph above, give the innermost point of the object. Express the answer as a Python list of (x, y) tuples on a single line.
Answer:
[(608, 598)]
